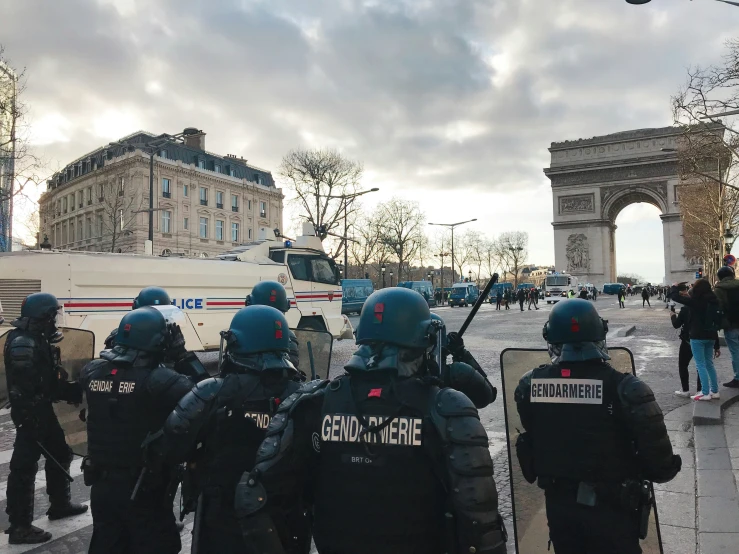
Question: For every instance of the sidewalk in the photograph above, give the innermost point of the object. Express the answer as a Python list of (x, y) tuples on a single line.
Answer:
[(699, 509)]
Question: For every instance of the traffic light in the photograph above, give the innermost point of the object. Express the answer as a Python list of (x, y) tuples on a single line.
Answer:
[(700, 273)]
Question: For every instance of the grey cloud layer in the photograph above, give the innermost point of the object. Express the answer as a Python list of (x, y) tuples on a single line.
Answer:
[(394, 83)]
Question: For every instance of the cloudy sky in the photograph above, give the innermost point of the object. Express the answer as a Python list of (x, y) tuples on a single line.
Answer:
[(450, 102)]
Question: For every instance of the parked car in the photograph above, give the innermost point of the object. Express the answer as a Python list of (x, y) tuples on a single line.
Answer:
[(423, 288), (463, 294), (353, 294)]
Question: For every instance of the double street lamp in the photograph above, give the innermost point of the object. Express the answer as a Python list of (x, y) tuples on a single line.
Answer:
[(452, 226), (382, 270), (346, 198)]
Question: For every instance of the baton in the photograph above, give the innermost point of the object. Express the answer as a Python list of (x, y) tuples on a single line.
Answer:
[(312, 362), (194, 547), (480, 300), (138, 484), (53, 460)]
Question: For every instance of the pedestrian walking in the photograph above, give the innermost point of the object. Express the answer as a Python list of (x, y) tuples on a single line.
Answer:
[(507, 299), (727, 292), (705, 321), (621, 298), (590, 458), (498, 299), (681, 321), (521, 297), (370, 489), (645, 297), (532, 298), (35, 380)]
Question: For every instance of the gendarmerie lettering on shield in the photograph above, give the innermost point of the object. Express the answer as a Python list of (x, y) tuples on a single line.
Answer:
[(124, 387), (401, 431), (567, 391)]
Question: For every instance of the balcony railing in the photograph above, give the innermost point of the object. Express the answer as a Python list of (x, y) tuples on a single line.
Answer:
[(234, 208), (203, 202), (166, 194), (219, 205), (262, 214)]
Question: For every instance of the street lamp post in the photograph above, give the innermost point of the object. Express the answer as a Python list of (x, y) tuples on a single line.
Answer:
[(346, 198), (452, 226), (391, 277), (382, 270), (441, 255)]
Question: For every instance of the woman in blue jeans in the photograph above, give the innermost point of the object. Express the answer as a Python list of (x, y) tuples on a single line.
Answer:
[(702, 341)]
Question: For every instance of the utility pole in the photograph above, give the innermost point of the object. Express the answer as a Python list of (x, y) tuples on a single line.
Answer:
[(452, 226)]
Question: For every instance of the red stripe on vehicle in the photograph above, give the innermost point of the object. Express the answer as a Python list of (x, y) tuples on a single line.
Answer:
[(211, 303), (96, 304)]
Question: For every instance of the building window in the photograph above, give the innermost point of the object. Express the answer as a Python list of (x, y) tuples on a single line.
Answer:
[(249, 205), (219, 200), (219, 230), (71, 202), (81, 199), (201, 164), (186, 223), (232, 172), (203, 227), (121, 185), (217, 168), (234, 232), (234, 203), (166, 219), (262, 209), (100, 226), (89, 195), (258, 178), (203, 196), (100, 193), (64, 205), (89, 228), (184, 190), (70, 238), (166, 190), (163, 154), (249, 234)]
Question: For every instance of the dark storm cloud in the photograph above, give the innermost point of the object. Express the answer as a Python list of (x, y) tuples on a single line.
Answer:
[(427, 93)]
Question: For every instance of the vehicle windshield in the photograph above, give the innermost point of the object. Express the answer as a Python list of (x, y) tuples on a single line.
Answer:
[(557, 281), (319, 269)]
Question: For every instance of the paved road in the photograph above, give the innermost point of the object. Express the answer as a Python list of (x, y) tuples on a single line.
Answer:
[(654, 344)]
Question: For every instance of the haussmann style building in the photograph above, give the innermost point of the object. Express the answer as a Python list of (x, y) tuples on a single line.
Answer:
[(204, 203)]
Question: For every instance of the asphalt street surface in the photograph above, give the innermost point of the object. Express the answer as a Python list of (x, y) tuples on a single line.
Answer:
[(654, 343)]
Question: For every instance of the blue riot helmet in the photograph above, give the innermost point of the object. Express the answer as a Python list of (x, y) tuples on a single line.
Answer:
[(41, 311), (258, 339), (397, 316), (268, 293), (151, 296), (575, 332), (143, 330)]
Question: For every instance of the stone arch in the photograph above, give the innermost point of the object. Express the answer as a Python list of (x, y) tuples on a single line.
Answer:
[(616, 202)]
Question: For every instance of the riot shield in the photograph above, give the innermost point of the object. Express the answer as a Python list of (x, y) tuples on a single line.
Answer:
[(3, 381), (315, 345), (76, 350), (530, 528)]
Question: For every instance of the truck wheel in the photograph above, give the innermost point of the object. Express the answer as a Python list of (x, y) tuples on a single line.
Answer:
[(311, 324)]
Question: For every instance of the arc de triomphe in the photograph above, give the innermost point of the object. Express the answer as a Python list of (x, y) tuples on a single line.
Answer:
[(593, 180)]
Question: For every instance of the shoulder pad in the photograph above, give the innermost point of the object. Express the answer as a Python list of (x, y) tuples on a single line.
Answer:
[(524, 386), (452, 403), (23, 341), (161, 378), (307, 390), (90, 368), (207, 389), (632, 390)]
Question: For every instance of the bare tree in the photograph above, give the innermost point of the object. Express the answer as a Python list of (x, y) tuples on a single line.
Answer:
[(319, 178), (707, 156), (118, 215), (512, 249), (403, 232), (20, 167), (490, 259), (368, 246)]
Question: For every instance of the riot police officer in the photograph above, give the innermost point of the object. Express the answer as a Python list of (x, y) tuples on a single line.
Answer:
[(464, 373), (593, 435), (184, 362), (129, 395), (272, 293), (35, 379), (392, 453), (226, 417)]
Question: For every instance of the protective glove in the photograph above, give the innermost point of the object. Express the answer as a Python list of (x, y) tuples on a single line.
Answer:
[(455, 344), (176, 345), (467, 380)]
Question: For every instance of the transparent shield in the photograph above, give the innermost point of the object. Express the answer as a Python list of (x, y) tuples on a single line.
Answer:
[(315, 345), (531, 531)]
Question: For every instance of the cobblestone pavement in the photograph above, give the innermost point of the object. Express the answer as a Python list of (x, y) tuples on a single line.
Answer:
[(654, 344)]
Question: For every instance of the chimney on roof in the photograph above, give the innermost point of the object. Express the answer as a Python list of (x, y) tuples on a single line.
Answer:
[(194, 138)]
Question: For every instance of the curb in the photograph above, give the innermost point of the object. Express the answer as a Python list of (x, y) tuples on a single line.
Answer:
[(712, 413), (623, 331)]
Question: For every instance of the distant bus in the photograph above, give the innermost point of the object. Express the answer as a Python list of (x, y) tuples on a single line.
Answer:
[(353, 294), (558, 285), (423, 288), (613, 288)]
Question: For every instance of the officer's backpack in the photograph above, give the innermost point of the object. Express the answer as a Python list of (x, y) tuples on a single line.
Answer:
[(712, 317)]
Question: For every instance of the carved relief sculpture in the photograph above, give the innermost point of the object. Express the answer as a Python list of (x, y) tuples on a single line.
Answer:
[(578, 253), (581, 203)]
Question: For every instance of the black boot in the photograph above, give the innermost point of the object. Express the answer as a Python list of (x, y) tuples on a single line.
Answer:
[(66, 510), (27, 534)]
